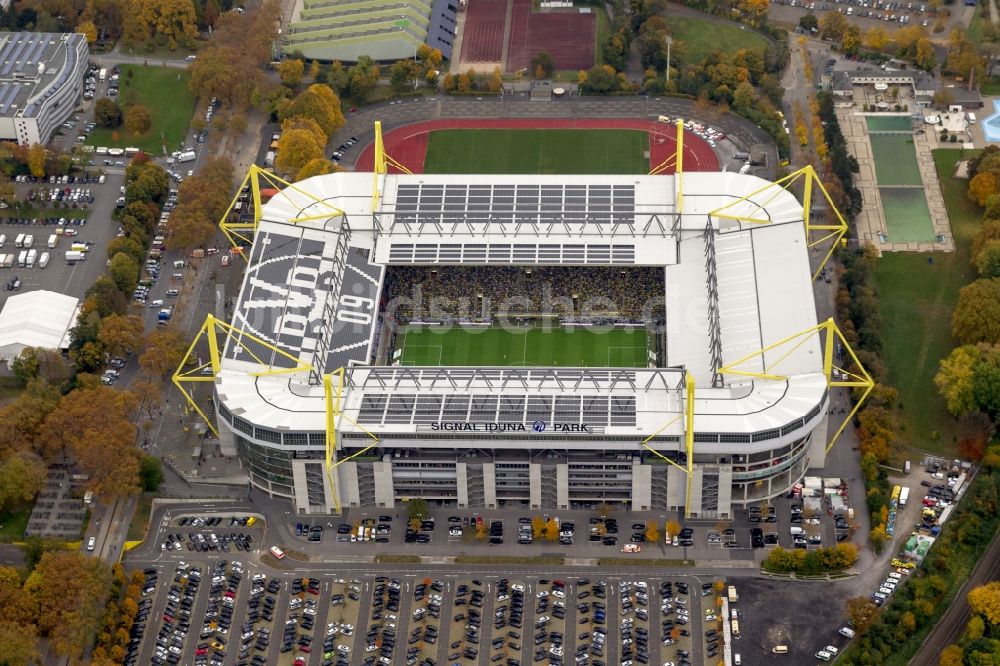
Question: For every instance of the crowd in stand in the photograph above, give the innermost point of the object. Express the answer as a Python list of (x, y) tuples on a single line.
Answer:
[(570, 293)]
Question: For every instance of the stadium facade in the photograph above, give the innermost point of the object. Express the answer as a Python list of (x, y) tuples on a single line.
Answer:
[(545, 438)]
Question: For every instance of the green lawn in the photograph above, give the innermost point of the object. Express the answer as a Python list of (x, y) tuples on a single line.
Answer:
[(700, 37), (602, 33), (538, 151), (13, 524), (917, 299), (162, 90), (28, 211), (533, 347)]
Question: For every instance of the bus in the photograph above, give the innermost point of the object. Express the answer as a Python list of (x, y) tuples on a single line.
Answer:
[(736, 628), (88, 497), (733, 597)]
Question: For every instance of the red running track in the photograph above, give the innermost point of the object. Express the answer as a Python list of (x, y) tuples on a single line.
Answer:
[(567, 36), (483, 38), (408, 144)]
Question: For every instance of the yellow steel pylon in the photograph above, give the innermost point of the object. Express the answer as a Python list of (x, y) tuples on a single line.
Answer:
[(238, 232), (688, 417), (835, 375), (210, 332), (382, 163), (833, 231), (333, 396)]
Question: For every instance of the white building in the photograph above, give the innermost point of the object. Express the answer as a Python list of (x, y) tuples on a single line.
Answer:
[(41, 81), (487, 437), (36, 319)]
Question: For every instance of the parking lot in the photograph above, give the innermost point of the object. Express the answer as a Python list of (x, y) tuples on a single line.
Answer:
[(889, 14), (211, 607)]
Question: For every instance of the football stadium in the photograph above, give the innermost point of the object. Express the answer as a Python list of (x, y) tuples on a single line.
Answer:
[(543, 341)]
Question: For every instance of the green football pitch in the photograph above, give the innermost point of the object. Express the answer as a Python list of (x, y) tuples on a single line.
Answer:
[(552, 151), (532, 347)]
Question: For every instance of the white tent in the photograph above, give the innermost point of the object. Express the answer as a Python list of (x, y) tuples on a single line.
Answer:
[(36, 319)]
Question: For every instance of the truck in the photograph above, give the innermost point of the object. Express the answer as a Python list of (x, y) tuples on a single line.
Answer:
[(79, 247), (30, 261), (72, 256), (29, 240), (164, 314), (22, 258), (269, 158), (103, 74), (733, 597), (904, 494), (8, 260), (88, 497), (53, 240), (19, 241), (971, 117), (187, 156), (43, 260)]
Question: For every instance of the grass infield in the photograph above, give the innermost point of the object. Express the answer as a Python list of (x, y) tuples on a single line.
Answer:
[(549, 151), (530, 347)]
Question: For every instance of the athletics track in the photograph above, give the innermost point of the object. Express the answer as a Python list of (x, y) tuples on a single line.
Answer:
[(408, 144)]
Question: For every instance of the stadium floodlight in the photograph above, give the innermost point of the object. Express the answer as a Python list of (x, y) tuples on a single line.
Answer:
[(835, 376), (745, 208)]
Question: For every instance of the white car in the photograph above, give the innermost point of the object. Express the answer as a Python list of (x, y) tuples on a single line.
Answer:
[(517, 586)]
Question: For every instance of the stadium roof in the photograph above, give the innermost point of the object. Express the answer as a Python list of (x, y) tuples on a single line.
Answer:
[(36, 319), (729, 293)]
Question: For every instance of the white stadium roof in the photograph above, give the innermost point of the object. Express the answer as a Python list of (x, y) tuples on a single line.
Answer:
[(763, 290), (36, 319)]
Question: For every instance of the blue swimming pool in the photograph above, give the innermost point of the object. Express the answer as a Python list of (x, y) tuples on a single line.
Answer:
[(991, 125)]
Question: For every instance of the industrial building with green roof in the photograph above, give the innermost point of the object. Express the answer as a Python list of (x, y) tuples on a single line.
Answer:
[(344, 30)]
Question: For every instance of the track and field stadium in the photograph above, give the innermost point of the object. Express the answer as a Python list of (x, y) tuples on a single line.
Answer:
[(526, 340)]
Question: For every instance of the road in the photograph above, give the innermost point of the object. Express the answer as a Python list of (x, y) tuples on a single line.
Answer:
[(951, 625)]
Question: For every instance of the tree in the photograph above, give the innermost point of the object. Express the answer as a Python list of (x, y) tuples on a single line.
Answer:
[(163, 352), (402, 74), (38, 362), (417, 508), (537, 526), (317, 167), (975, 430), (170, 23), (495, 83), (291, 71), (362, 78), (982, 186), (552, 530), (652, 532), (744, 97), (673, 528), (95, 424), (319, 103), (305, 123), (18, 643), (861, 612), (987, 260), (137, 119), (150, 473), (87, 29), (22, 419), (21, 477), (985, 600), (809, 22), (876, 38), (833, 25), (977, 314), (120, 334), (954, 378), (37, 156), (543, 63), (950, 656), (107, 113), (69, 589), (125, 272), (599, 79), (296, 148), (852, 40)]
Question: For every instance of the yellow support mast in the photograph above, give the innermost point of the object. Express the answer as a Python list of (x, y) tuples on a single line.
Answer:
[(333, 397), (835, 375), (679, 173), (828, 231), (382, 163), (209, 332), (240, 233), (688, 417)]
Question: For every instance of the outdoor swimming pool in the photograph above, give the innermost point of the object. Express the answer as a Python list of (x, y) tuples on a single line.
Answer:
[(900, 186), (991, 125)]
